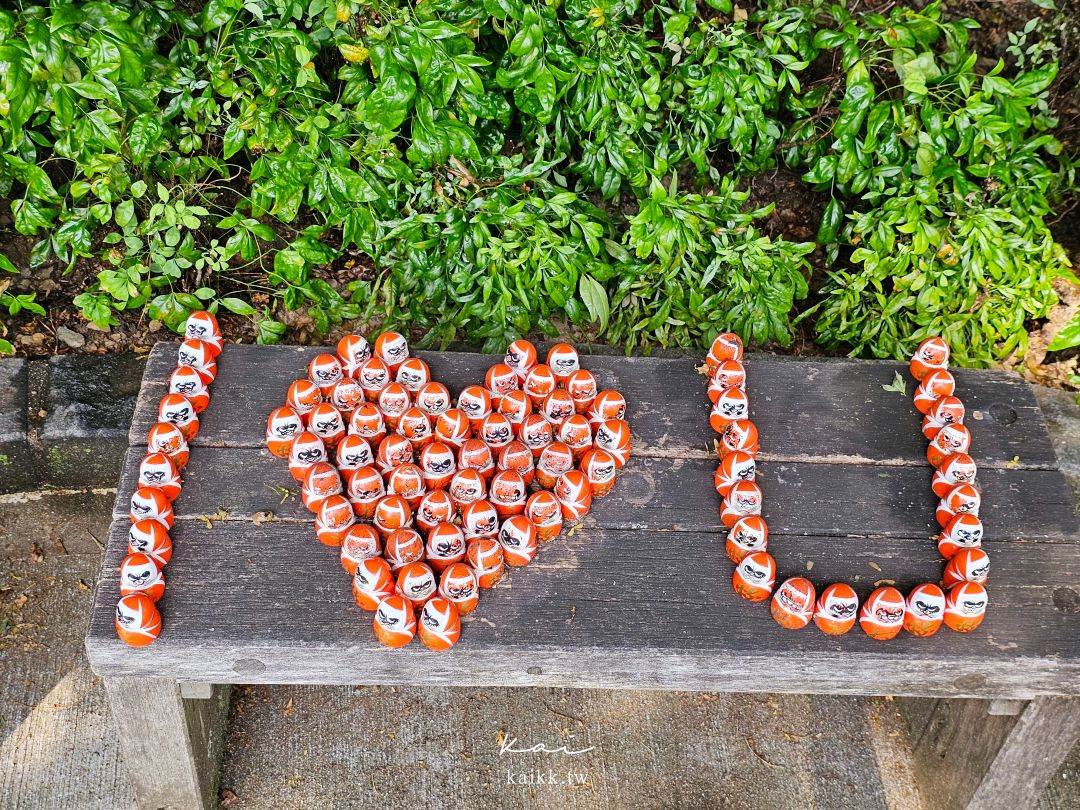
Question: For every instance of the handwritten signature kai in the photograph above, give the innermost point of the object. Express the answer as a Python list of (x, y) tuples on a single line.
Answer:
[(509, 745)]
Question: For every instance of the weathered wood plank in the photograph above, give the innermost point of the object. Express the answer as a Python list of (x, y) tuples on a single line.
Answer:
[(965, 755), (823, 410), (602, 609), (678, 495), (171, 746)]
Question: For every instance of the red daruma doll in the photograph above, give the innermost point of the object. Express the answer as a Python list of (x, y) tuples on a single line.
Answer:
[(518, 540), (392, 349), (137, 620), (167, 439), (150, 538), (360, 542), (749, 534), (308, 449), (372, 582), (950, 440), (445, 546), (726, 346), (458, 585), (439, 626), (148, 503), (965, 606), (555, 459), (178, 411), (544, 511), (574, 495), (325, 421), (416, 582), (932, 355), (837, 609), (282, 427), (925, 610), (793, 603), (334, 519), (743, 500), (352, 350), (485, 556), (521, 357), (156, 470), (563, 361), (187, 381), (302, 397), (882, 614), (324, 370), (436, 507), (140, 574), (731, 405), (395, 622), (599, 468), (755, 576), (366, 489)]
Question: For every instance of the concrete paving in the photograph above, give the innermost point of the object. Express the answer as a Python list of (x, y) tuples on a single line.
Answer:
[(334, 747)]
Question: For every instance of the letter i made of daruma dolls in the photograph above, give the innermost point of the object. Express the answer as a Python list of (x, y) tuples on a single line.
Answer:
[(137, 620), (793, 603)]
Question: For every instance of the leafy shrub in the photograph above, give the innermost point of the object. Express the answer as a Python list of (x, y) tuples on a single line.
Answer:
[(497, 167)]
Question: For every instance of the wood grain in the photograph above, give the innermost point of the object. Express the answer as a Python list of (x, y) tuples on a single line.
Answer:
[(678, 495), (807, 410), (171, 746), (602, 608)]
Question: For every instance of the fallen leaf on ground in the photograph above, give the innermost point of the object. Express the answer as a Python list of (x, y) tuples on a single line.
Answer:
[(288, 709), (259, 518), (875, 566), (898, 384), (36, 553), (20, 600)]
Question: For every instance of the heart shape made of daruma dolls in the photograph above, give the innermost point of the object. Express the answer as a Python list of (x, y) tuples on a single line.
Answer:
[(430, 499)]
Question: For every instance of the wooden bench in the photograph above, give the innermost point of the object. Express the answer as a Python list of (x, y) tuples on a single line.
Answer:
[(640, 597)]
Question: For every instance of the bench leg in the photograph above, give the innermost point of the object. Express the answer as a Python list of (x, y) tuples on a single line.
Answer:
[(171, 744), (986, 755)]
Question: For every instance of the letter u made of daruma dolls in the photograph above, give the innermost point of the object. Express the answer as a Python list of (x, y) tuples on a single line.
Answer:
[(395, 621), (731, 405), (372, 582), (950, 440), (485, 556), (439, 626), (793, 603), (924, 610), (755, 576), (932, 355), (882, 614), (458, 585), (965, 606), (837, 609), (137, 620)]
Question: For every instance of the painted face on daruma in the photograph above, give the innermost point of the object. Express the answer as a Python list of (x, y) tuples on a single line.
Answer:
[(137, 620), (366, 485), (440, 618), (322, 480), (517, 457), (416, 582), (952, 439), (201, 326), (556, 459), (598, 466), (557, 407), (474, 402), (437, 459), (415, 425), (926, 602), (536, 432), (284, 423), (732, 404), (413, 374), (303, 396), (352, 350), (391, 348), (884, 607), (496, 430), (324, 370), (750, 533), (186, 380), (373, 375), (965, 530), (367, 421), (336, 513), (467, 486), (148, 502), (838, 603), (197, 354), (518, 538), (608, 405), (433, 398), (395, 623), (572, 487), (446, 541), (307, 449), (515, 406), (796, 597), (325, 421), (458, 583), (958, 469), (933, 351), (948, 410), (967, 599), (391, 513), (542, 508), (347, 395), (354, 452), (479, 519), (394, 400), (563, 360), (581, 386), (500, 380), (475, 454), (435, 508), (520, 356), (394, 451), (166, 438), (963, 498), (156, 470), (508, 488), (758, 570), (177, 410), (539, 382)]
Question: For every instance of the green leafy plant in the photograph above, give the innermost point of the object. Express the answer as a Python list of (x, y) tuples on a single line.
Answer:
[(13, 303)]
